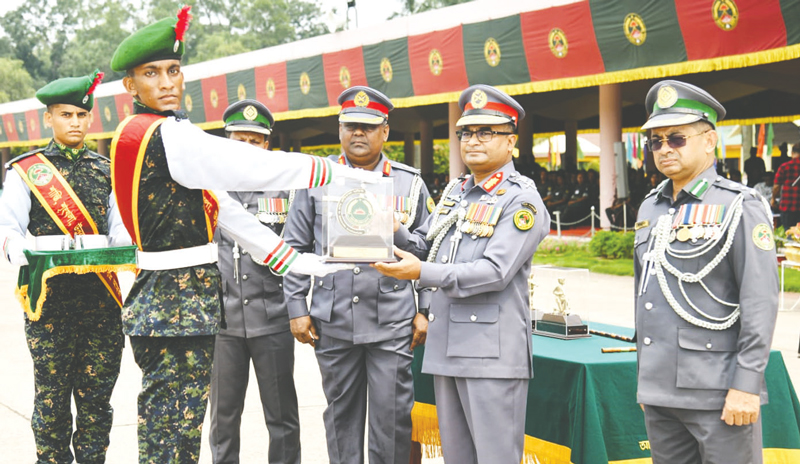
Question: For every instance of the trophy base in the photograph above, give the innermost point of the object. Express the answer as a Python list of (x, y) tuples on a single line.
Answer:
[(359, 249), (562, 327)]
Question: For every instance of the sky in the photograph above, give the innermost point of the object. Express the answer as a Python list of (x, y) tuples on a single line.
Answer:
[(369, 12)]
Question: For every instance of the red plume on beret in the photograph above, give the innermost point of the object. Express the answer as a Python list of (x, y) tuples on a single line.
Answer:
[(98, 77), (183, 22)]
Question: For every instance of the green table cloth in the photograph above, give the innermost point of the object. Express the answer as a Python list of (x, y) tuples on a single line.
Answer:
[(582, 405)]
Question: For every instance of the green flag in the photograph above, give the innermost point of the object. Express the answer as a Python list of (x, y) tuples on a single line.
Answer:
[(306, 82), (493, 52), (634, 34), (388, 69)]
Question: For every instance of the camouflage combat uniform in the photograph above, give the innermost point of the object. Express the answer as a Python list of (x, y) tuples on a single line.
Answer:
[(171, 316), (76, 345)]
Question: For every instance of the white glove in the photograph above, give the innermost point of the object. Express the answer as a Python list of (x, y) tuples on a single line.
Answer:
[(15, 255), (341, 171), (311, 264)]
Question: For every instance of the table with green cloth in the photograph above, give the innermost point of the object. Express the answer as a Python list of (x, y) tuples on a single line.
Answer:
[(582, 405)]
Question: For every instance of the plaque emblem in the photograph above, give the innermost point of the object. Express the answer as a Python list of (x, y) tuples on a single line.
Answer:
[(386, 69), (10, 127), (491, 51), (107, 113), (726, 14), (126, 109), (40, 174), (250, 113), (558, 43), (634, 29), (355, 211), (305, 83), (361, 99), (478, 99), (188, 103), (241, 92), (435, 62), (667, 96), (32, 124), (344, 77), (21, 126), (270, 88)]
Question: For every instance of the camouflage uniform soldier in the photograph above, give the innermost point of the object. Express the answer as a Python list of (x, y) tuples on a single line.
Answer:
[(162, 166), (76, 341)]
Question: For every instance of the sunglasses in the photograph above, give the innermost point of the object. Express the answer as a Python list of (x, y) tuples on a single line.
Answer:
[(674, 141)]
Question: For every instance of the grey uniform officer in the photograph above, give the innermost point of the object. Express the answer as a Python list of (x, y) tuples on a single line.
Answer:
[(361, 323), (706, 291), (257, 319), (479, 243)]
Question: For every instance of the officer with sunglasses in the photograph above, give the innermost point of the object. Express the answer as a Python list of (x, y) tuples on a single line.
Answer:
[(706, 291)]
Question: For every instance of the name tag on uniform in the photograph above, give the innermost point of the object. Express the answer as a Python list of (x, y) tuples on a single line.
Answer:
[(641, 224)]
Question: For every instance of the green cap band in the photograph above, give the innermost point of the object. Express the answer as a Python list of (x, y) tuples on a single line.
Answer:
[(692, 105), (239, 116)]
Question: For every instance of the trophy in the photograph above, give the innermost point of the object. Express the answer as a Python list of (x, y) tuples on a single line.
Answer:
[(357, 221), (551, 310)]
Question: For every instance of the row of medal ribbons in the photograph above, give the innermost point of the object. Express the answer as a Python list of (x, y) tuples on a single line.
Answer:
[(274, 210), (696, 221), (481, 219)]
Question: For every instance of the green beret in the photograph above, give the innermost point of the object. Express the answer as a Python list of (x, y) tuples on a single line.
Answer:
[(78, 91), (162, 40)]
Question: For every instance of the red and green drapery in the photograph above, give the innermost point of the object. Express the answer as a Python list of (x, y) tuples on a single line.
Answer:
[(580, 44)]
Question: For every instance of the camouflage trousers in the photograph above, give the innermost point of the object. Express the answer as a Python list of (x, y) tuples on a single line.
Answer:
[(176, 374), (76, 347)]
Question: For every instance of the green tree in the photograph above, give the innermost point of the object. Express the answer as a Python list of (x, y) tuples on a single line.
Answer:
[(95, 41), (17, 83), (411, 7)]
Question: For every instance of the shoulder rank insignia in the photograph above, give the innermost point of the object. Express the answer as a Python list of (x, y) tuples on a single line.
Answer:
[(762, 237), (493, 182), (524, 219), (430, 204)]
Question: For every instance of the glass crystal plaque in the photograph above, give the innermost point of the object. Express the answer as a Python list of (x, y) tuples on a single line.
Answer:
[(357, 221)]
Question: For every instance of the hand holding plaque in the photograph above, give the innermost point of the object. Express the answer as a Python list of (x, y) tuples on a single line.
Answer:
[(357, 221)]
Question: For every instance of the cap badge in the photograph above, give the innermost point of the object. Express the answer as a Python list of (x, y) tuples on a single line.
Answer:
[(667, 96), (478, 99), (361, 99), (250, 113), (85, 99)]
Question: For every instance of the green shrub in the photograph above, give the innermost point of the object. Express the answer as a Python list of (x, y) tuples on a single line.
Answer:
[(613, 245)]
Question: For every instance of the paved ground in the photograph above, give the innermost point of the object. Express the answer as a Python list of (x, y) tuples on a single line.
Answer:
[(612, 298)]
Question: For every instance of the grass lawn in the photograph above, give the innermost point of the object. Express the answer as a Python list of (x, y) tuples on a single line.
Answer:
[(572, 254)]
